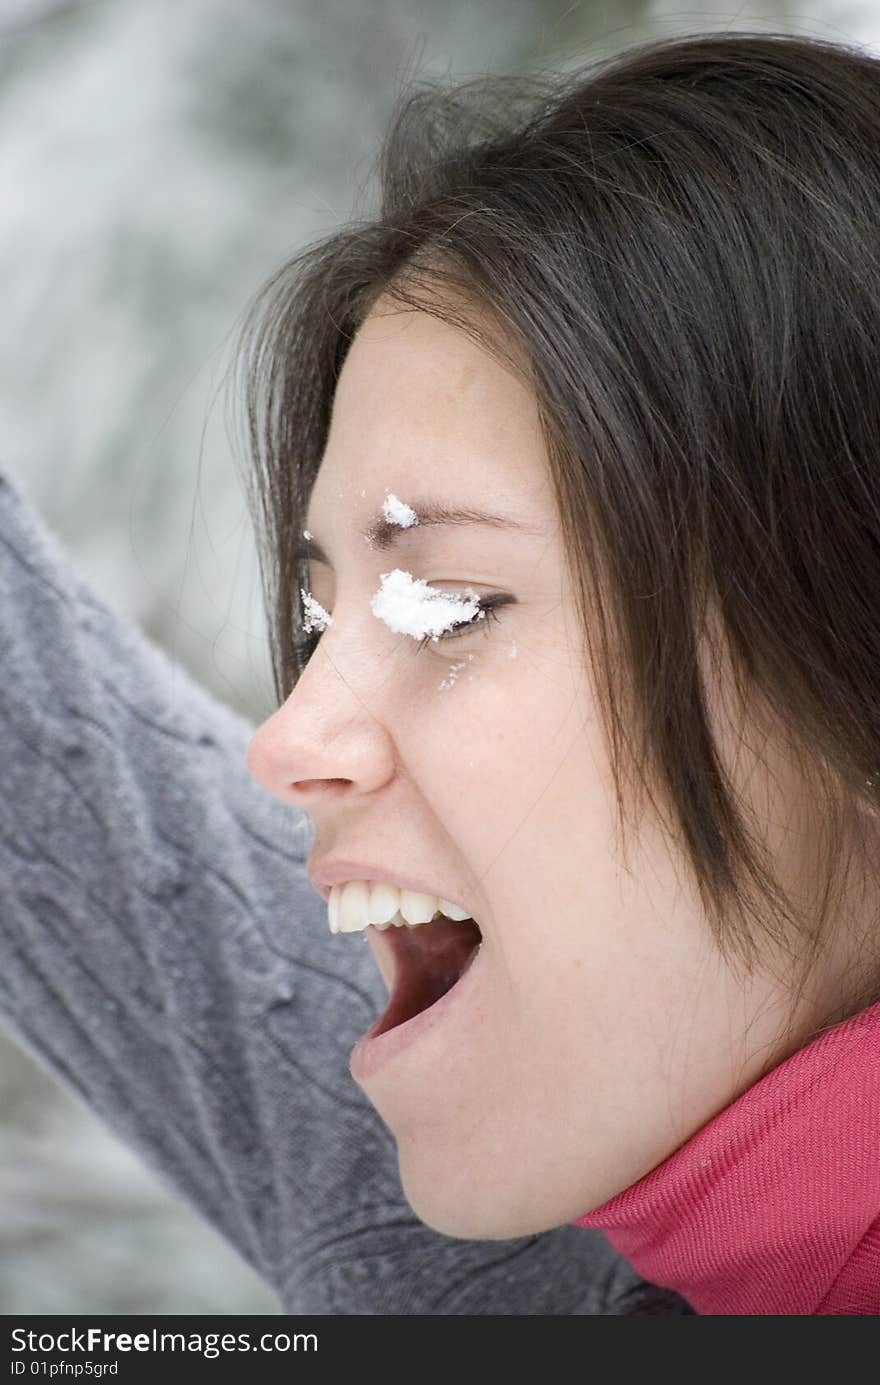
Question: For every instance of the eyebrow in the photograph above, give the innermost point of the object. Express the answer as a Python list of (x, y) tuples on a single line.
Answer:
[(384, 534)]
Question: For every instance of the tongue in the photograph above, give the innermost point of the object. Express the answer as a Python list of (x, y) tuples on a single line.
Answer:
[(429, 960)]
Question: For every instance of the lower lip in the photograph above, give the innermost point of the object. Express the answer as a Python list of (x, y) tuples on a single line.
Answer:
[(372, 1051)]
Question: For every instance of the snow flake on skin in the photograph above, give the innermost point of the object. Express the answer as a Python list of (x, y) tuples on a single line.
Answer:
[(316, 618), (449, 682), (396, 512)]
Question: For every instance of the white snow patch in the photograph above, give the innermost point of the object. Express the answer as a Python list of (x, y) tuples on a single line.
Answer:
[(316, 618), (396, 512), (408, 606)]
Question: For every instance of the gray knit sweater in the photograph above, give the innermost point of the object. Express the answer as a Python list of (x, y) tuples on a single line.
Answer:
[(165, 957)]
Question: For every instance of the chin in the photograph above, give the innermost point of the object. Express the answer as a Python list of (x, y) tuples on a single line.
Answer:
[(468, 1210)]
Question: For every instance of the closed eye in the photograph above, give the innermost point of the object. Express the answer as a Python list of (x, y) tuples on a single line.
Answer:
[(487, 608), (305, 642)]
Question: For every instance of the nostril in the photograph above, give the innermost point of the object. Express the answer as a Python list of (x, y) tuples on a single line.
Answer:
[(313, 786)]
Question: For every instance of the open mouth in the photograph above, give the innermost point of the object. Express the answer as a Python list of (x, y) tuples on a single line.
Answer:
[(426, 962)]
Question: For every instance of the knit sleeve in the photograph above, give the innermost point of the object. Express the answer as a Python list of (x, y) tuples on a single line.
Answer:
[(164, 956)]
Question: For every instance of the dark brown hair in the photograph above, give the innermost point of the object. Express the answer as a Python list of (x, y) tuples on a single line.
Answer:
[(678, 248)]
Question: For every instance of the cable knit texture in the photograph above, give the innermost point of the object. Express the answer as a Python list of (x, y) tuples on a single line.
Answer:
[(166, 958), (773, 1206)]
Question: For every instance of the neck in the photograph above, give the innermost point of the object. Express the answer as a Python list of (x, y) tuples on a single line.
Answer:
[(773, 1206)]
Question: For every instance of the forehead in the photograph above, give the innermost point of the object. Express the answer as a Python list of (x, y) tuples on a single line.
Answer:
[(419, 403)]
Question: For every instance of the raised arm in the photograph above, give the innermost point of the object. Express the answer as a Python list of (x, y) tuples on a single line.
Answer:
[(165, 957)]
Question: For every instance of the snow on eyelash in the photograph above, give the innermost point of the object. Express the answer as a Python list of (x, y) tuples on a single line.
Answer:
[(411, 607), (487, 607)]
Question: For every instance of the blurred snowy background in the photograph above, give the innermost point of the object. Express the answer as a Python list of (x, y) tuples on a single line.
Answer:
[(158, 160)]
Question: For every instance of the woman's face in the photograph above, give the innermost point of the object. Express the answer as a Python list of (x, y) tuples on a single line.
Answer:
[(597, 1027)]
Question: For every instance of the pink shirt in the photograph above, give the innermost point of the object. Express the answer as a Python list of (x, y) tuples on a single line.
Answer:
[(773, 1206)]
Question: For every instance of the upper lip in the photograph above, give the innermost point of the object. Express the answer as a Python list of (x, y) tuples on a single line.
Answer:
[(329, 871)]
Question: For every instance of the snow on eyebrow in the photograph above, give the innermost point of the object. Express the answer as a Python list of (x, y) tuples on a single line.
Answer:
[(316, 618), (396, 512), (410, 607)]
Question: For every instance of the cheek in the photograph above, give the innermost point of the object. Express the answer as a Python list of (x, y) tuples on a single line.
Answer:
[(503, 727)]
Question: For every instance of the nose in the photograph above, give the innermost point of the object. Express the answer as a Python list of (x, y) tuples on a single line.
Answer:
[(323, 741)]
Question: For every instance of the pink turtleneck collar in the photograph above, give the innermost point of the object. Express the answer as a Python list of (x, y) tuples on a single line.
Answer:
[(773, 1206)]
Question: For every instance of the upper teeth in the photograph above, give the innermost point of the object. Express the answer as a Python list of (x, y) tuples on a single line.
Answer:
[(358, 903)]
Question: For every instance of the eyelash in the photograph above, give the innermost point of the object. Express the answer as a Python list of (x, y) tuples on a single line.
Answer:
[(488, 604), (306, 643)]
